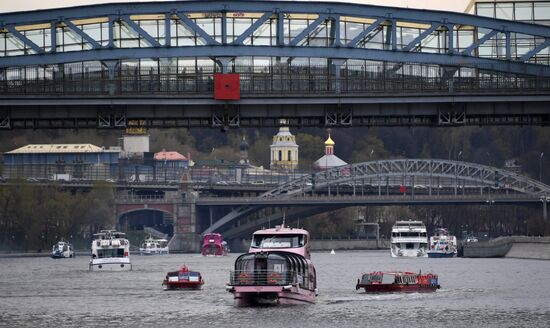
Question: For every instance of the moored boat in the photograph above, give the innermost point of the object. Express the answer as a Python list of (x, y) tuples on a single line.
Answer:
[(409, 239), (276, 270), (442, 244), (183, 279), (152, 246), (110, 252), (213, 245), (62, 249), (406, 282)]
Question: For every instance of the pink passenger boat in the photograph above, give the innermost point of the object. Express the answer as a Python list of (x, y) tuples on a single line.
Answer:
[(213, 245), (276, 270)]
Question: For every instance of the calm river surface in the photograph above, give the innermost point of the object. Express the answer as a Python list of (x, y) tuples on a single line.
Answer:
[(42, 292)]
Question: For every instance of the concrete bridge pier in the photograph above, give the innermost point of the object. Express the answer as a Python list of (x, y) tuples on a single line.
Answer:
[(186, 239)]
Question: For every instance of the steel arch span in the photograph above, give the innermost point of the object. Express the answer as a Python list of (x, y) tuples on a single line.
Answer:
[(229, 29), (430, 176)]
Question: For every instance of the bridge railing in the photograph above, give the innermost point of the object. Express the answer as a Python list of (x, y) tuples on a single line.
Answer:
[(255, 81)]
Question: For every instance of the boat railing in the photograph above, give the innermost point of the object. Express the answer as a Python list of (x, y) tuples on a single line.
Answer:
[(261, 278)]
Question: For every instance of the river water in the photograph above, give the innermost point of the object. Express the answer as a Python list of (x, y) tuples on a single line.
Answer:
[(42, 292)]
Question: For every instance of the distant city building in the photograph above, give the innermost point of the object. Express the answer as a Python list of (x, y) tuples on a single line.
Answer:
[(61, 162), (329, 160), (134, 146), (284, 150)]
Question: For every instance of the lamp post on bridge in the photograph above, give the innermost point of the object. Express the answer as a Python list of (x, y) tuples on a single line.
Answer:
[(540, 166), (545, 200)]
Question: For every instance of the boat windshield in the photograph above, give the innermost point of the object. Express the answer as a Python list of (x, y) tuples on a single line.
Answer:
[(114, 252), (278, 241)]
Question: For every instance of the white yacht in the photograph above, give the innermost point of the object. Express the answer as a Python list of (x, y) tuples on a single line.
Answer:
[(409, 238), (110, 252), (62, 249), (151, 246)]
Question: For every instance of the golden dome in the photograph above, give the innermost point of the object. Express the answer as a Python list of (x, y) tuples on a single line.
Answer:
[(329, 141)]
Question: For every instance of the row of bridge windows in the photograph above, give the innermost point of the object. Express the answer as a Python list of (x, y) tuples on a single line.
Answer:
[(181, 35)]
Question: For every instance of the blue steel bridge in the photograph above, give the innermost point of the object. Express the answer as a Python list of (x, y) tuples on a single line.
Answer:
[(385, 183), (310, 63)]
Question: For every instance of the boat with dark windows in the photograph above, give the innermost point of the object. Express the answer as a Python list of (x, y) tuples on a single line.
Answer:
[(409, 238), (110, 252), (442, 244), (406, 282), (276, 270), (152, 246), (62, 250), (213, 245), (183, 279)]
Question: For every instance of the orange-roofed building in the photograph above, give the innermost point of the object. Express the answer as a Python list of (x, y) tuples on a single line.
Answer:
[(170, 159)]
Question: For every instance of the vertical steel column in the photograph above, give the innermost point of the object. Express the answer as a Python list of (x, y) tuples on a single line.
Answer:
[(450, 30), (53, 36), (335, 30), (167, 30), (280, 29), (394, 34), (111, 32), (508, 46), (224, 27)]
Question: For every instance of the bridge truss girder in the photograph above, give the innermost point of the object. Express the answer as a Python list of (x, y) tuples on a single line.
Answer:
[(402, 172), (317, 18)]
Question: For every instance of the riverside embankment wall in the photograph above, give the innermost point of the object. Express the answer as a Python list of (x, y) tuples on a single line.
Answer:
[(514, 247)]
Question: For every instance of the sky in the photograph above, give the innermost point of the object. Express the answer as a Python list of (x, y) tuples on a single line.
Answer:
[(23, 5)]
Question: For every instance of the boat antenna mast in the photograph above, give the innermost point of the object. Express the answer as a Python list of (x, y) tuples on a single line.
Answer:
[(284, 218)]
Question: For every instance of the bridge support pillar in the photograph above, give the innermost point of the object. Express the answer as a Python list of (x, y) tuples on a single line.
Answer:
[(185, 237), (545, 209)]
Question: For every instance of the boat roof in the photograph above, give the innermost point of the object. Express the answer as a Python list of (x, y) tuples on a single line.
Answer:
[(153, 239), (282, 230), (409, 222), (110, 233)]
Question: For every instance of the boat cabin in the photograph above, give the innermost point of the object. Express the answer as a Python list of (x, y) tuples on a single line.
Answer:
[(279, 239), (274, 268)]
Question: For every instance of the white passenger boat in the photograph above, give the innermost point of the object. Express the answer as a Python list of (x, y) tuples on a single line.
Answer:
[(62, 250), (409, 238), (110, 252), (442, 244), (152, 246)]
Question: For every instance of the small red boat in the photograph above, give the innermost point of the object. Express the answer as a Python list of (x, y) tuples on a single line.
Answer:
[(183, 279), (406, 282)]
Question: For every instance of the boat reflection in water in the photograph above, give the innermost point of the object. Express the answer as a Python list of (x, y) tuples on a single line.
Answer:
[(277, 269)]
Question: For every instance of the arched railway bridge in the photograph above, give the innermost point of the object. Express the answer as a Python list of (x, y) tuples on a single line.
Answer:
[(311, 63), (384, 182)]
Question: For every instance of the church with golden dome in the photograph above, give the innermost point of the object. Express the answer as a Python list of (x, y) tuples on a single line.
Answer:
[(329, 160)]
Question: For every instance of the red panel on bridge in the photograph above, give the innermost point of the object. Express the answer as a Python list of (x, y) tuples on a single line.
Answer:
[(227, 86)]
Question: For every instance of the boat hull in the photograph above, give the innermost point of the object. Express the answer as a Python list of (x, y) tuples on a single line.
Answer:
[(396, 252), (272, 295), (398, 288), (182, 285), (110, 264), (62, 256), (144, 251), (441, 255)]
